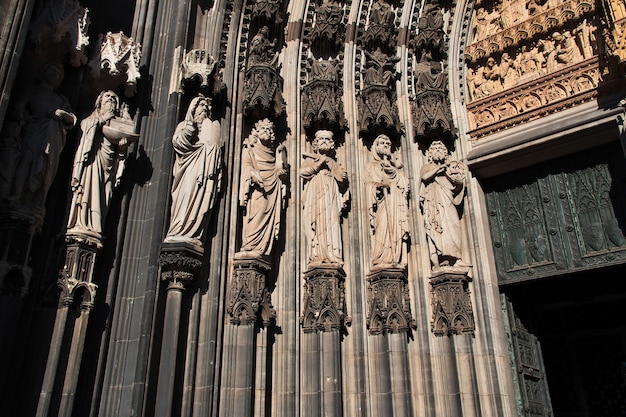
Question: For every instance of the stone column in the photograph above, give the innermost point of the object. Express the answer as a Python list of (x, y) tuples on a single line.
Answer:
[(76, 283), (180, 263), (323, 321), (389, 321), (250, 309)]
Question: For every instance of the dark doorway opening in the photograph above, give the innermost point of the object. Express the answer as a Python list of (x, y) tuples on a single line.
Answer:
[(580, 321)]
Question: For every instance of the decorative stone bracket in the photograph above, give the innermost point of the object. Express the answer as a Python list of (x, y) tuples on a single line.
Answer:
[(250, 300), (118, 56), (199, 65), (180, 263), (263, 90), (321, 99), (324, 300), (377, 108), (388, 302), (451, 304), (75, 279)]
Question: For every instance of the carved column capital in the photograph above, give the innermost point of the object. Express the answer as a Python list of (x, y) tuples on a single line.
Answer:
[(250, 299), (180, 263), (388, 302), (324, 300), (451, 304)]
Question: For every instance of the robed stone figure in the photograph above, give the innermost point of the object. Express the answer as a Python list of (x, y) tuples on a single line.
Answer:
[(323, 201), (388, 198), (30, 153), (262, 190), (196, 173), (441, 196), (98, 168)]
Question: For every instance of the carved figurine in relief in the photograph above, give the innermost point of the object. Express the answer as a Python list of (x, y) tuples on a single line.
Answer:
[(379, 68), (324, 69), (324, 199), (381, 29), (508, 71), (197, 173), (561, 51), (39, 122), (98, 167), (262, 190), (487, 79), (388, 206), (486, 24), (512, 12), (261, 50), (441, 197), (586, 38), (529, 61), (328, 17)]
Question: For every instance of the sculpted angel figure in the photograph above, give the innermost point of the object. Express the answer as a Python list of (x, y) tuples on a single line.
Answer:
[(197, 173), (388, 206), (441, 196), (323, 201), (262, 190), (98, 167), (40, 118)]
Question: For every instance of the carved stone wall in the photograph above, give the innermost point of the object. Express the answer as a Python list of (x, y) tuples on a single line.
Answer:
[(527, 60)]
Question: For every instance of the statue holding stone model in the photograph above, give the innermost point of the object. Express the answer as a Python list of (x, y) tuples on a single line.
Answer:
[(98, 166)]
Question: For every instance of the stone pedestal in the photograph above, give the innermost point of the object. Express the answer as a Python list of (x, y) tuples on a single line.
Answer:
[(451, 304), (180, 263), (323, 321), (250, 301), (388, 302)]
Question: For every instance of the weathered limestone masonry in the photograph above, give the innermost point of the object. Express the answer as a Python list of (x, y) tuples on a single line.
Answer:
[(305, 207)]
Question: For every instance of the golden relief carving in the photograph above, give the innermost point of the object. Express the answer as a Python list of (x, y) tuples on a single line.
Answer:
[(530, 58), (565, 88), (501, 28)]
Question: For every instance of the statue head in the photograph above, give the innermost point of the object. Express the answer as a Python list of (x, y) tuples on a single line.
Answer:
[(107, 102), (52, 74), (437, 153), (263, 131), (382, 146), (323, 142)]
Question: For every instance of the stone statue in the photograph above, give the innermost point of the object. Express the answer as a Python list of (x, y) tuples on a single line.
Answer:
[(324, 198), (381, 29), (98, 167), (508, 71), (261, 50), (486, 24), (197, 173), (35, 138), (262, 190), (324, 69), (328, 17), (388, 198), (441, 196), (379, 68)]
